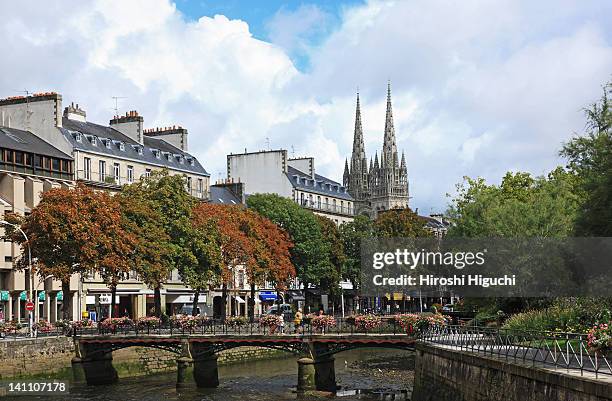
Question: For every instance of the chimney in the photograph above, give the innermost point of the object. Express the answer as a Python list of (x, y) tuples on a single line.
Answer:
[(40, 113), (130, 125), (73, 112), (175, 135)]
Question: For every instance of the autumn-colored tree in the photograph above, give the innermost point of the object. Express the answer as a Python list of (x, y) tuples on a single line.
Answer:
[(400, 223), (74, 231), (270, 247), (236, 249)]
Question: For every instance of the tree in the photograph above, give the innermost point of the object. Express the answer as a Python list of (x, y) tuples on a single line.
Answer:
[(271, 260), (167, 208), (352, 233), (400, 223), (330, 280), (74, 231), (153, 251), (590, 158), (310, 253), (235, 248)]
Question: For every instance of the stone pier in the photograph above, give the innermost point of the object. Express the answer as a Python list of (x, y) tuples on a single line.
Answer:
[(95, 364), (205, 368)]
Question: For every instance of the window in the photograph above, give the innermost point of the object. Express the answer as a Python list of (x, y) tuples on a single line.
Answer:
[(117, 172), (87, 168), (130, 174), (302, 198), (122, 146), (189, 184), (108, 144), (93, 141), (148, 172), (102, 170), (28, 159), (200, 186), (79, 137), (318, 202), (334, 205), (38, 161), (55, 164), (65, 165), (342, 206), (18, 158)]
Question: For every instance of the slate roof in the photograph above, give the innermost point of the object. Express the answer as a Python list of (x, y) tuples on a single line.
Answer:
[(222, 195), (320, 184), (101, 132), (25, 141)]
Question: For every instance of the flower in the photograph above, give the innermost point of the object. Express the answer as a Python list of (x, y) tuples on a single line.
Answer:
[(367, 322), (322, 321), (236, 321), (599, 338), (272, 321), (114, 322), (148, 322), (43, 326)]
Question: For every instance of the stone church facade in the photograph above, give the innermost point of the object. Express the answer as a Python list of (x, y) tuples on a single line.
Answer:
[(381, 184)]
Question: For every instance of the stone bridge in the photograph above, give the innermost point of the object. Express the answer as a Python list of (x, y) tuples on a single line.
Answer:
[(93, 360)]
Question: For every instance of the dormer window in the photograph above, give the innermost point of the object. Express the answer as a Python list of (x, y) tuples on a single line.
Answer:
[(157, 153), (191, 161), (79, 137), (108, 144), (122, 146), (94, 142), (181, 159), (138, 149)]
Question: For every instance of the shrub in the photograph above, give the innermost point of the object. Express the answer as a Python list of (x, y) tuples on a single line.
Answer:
[(412, 322), (10, 327), (185, 322), (43, 326), (114, 322), (272, 321)]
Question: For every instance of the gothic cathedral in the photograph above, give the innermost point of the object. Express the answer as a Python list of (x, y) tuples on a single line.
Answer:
[(382, 185)]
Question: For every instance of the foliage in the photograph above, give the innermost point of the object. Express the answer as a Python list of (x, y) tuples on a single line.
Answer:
[(367, 322), (330, 281), (321, 322), (112, 323), (148, 322), (185, 322), (400, 223), (11, 326), (413, 322), (352, 233), (573, 315), (521, 206), (236, 321), (599, 338), (272, 321), (590, 159), (43, 326), (72, 231), (310, 253)]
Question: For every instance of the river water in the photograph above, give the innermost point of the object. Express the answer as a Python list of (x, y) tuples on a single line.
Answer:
[(365, 374)]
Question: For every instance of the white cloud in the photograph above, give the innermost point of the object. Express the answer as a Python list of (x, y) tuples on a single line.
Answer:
[(478, 87)]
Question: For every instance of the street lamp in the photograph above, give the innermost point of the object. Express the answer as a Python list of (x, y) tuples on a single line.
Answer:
[(30, 315)]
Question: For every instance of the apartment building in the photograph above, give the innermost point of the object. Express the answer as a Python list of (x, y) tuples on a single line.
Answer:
[(59, 147), (294, 178), (28, 167)]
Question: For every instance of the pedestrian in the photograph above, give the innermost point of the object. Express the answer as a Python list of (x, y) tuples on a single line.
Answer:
[(297, 320), (282, 323)]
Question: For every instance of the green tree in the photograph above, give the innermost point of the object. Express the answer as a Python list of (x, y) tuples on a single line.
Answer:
[(590, 158), (352, 234), (171, 206), (400, 223), (330, 280), (310, 253)]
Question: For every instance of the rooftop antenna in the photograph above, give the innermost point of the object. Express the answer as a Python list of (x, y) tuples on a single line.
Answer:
[(292, 152), (27, 94), (268, 143), (116, 98)]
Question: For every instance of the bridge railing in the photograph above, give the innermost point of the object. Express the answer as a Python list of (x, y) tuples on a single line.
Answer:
[(568, 351), (342, 326)]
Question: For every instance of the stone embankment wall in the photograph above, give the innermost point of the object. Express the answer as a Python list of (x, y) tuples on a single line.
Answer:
[(442, 374), (52, 356)]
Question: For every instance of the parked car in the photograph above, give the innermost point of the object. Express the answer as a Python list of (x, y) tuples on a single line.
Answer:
[(286, 310), (448, 308)]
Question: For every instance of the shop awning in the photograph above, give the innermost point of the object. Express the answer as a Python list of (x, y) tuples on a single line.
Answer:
[(296, 295), (239, 299)]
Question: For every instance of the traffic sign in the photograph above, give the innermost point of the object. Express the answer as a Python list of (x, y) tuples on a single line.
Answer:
[(29, 306)]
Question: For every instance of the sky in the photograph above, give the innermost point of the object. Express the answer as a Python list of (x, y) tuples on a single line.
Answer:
[(479, 87)]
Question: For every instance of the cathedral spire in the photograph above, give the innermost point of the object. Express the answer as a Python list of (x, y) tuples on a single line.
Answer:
[(358, 146), (389, 153), (403, 163), (346, 175)]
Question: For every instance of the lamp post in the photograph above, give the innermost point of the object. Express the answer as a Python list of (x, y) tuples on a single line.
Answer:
[(30, 313)]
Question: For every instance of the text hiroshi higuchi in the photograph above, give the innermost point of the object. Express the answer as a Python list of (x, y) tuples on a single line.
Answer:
[(413, 259), (430, 280)]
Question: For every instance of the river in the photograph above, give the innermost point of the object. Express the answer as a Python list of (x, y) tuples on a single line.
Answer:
[(365, 374)]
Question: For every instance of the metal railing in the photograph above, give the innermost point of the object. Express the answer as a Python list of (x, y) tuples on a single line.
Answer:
[(567, 351)]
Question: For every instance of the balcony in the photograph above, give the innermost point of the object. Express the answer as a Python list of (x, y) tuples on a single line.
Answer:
[(110, 181), (327, 207)]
